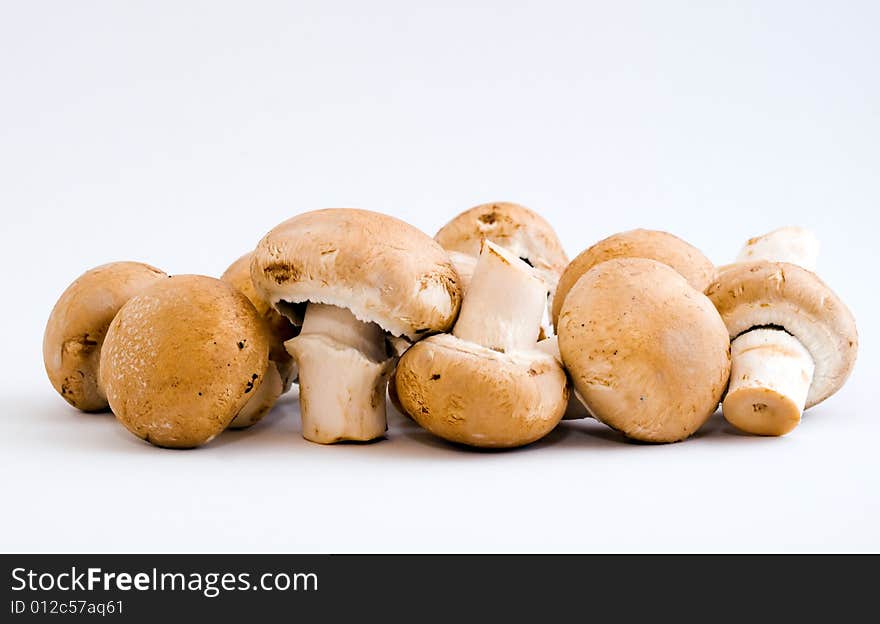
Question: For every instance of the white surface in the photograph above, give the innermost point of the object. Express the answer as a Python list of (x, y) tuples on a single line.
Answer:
[(179, 133)]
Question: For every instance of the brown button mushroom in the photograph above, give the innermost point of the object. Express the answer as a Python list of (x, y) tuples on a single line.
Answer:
[(521, 231), (647, 352), (794, 343), (663, 247), (182, 359), (363, 275), (487, 384), (77, 326), (282, 369)]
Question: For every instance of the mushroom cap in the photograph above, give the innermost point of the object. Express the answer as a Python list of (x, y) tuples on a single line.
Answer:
[(652, 244), (472, 395), (78, 323), (523, 232), (646, 351), (280, 328), (380, 268), (182, 358), (778, 294)]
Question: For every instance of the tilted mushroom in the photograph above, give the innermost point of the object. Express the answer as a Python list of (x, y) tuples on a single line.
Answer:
[(363, 275), (486, 384), (663, 247), (282, 368), (652, 244), (76, 328), (182, 359), (794, 342), (647, 352)]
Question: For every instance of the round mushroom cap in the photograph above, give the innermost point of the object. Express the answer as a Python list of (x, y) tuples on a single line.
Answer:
[(182, 359), (781, 295), (663, 247), (280, 328), (380, 268), (646, 351), (523, 232), (466, 393), (77, 326)]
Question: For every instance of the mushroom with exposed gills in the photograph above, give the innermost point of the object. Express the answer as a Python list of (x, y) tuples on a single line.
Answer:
[(350, 278), (486, 384), (647, 353), (794, 342), (77, 326), (182, 359), (282, 368)]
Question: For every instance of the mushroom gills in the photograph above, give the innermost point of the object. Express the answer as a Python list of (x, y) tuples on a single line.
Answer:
[(795, 245), (504, 304), (771, 374), (343, 373)]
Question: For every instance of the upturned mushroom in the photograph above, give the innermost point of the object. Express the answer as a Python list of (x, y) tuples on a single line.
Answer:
[(486, 384), (515, 228), (282, 369), (663, 247), (794, 342), (78, 324), (352, 277), (647, 352), (182, 359)]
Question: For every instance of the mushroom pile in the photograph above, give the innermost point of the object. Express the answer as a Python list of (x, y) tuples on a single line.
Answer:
[(485, 335)]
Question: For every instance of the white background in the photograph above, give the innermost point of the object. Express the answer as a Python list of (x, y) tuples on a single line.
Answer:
[(178, 133)]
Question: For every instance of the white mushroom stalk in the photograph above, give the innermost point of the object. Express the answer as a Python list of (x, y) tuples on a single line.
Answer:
[(771, 371), (343, 373), (504, 304), (795, 245), (770, 377)]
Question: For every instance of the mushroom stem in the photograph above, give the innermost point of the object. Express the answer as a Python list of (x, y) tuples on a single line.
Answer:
[(771, 373), (504, 304), (795, 245), (576, 408), (343, 372)]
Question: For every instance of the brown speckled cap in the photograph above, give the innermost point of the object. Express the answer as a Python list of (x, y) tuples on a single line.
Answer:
[(466, 393), (663, 247), (778, 294), (523, 232), (182, 359), (647, 352), (380, 268), (77, 326)]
